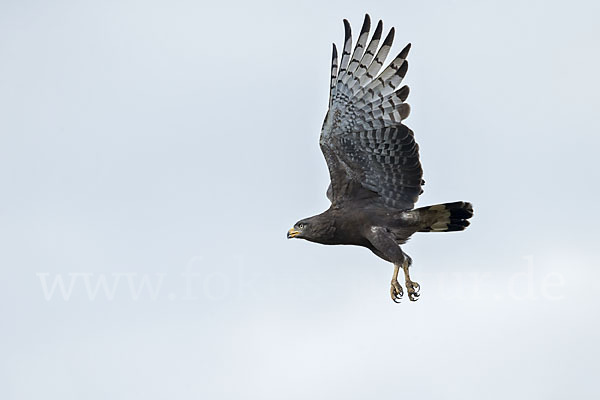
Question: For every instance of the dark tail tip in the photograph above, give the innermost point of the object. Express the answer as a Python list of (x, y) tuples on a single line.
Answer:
[(460, 212)]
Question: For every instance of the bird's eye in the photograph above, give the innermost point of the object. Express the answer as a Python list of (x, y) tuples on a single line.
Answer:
[(301, 226)]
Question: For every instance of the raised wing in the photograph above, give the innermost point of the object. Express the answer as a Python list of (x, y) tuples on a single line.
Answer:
[(369, 152)]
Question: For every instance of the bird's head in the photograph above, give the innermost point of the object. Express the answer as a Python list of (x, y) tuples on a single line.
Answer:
[(300, 230), (315, 229)]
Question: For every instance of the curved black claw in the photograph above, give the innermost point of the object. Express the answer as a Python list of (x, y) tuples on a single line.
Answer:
[(396, 292), (413, 289)]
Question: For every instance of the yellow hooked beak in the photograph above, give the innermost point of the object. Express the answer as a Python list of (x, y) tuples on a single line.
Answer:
[(292, 233)]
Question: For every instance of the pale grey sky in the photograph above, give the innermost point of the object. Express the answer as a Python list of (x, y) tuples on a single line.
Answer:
[(163, 148)]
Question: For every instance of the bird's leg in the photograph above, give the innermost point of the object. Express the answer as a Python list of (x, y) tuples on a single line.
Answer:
[(384, 245), (396, 290), (412, 288)]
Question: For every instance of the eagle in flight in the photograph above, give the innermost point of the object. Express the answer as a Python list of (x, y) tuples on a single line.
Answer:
[(373, 161)]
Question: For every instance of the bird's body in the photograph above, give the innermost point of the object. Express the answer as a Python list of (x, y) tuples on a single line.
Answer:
[(351, 224), (373, 161)]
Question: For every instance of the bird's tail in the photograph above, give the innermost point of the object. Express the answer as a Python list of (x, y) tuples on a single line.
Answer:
[(446, 217)]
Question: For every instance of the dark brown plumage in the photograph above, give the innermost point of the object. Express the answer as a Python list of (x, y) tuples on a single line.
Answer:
[(373, 161)]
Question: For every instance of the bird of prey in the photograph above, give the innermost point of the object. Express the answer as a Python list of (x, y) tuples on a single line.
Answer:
[(373, 161)]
